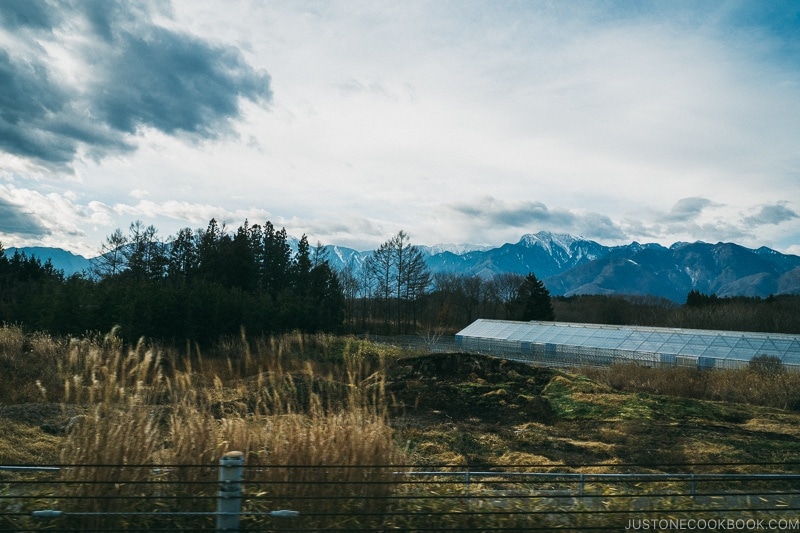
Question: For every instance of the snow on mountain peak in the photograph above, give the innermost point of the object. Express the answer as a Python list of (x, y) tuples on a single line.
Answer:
[(458, 249), (548, 240)]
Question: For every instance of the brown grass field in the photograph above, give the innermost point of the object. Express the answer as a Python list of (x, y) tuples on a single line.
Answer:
[(306, 400)]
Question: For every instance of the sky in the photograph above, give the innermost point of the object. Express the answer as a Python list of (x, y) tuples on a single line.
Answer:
[(454, 121)]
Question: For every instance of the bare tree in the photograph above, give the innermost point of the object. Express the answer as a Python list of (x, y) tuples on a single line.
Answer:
[(381, 269), (145, 253), (111, 260), (349, 282), (507, 285), (400, 277)]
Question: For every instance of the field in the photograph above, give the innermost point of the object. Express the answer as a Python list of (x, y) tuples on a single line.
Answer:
[(340, 401), (476, 410)]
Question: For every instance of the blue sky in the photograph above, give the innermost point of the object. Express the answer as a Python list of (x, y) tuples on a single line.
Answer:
[(458, 122)]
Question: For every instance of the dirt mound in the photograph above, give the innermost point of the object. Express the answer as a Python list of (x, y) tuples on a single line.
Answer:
[(463, 366), (469, 386)]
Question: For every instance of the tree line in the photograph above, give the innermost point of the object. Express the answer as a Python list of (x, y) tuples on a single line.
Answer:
[(773, 314), (394, 292), (200, 284)]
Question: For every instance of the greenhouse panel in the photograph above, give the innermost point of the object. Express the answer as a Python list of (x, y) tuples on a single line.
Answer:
[(568, 344)]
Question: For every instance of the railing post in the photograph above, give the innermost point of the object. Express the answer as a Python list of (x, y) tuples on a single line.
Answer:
[(229, 497)]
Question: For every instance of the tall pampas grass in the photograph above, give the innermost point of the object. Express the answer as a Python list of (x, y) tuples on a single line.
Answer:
[(288, 403)]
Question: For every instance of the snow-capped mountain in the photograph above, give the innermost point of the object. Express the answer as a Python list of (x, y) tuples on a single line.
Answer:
[(458, 249), (571, 265), (724, 269), (543, 253)]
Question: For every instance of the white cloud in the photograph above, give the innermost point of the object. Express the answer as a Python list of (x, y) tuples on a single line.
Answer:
[(139, 193), (51, 219), (188, 213), (656, 123)]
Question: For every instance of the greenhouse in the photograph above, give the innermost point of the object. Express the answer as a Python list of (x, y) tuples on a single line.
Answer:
[(566, 344)]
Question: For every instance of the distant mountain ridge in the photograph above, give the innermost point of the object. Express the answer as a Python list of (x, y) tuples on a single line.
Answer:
[(725, 269), (61, 259), (571, 265)]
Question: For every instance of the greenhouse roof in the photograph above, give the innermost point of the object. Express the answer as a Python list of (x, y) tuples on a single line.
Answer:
[(733, 345)]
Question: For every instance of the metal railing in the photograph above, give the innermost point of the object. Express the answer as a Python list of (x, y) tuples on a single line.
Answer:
[(233, 496)]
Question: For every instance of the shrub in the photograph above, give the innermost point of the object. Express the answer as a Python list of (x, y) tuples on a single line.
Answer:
[(766, 364)]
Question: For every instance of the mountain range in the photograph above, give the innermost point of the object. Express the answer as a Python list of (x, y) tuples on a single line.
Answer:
[(571, 265)]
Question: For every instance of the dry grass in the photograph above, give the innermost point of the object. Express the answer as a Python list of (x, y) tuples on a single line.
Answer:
[(287, 402), (151, 407), (26, 444), (779, 389), (27, 364), (296, 403)]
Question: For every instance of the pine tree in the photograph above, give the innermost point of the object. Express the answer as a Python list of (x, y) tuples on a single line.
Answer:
[(182, 261), (533, 300)]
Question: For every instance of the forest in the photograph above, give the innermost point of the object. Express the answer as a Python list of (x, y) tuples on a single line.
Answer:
[(199, 285)]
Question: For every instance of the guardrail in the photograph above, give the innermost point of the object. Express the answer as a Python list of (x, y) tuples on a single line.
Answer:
[(233, 496)]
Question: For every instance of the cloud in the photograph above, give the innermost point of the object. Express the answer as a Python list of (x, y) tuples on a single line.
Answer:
[(17, 220), (83, 78), (690, 219), (687, 209), (28, 97), (536, 215), (193, 213), (349, 230), (15, 14), (47, 217), (772, 214), (174, 83)]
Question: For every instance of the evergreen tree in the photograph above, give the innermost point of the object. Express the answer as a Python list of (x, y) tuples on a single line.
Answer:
[(302, 264), (242, 269), (182, 261), (324, 300), (696, 298), (533, 300), (211, 249), (276, 260)]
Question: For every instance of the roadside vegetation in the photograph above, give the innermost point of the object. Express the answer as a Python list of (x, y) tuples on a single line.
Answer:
[(297, 400), (302, 400)]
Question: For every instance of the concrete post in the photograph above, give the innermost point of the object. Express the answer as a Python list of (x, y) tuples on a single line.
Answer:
[(229, 497)]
